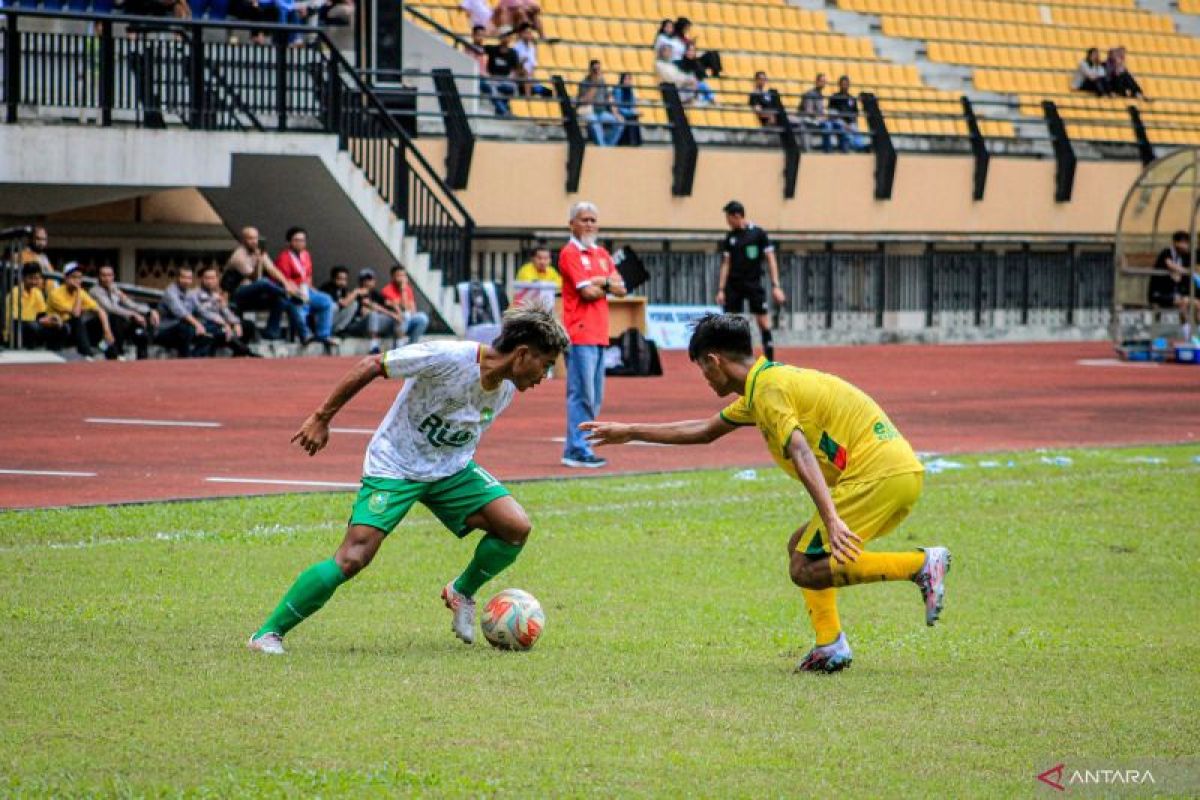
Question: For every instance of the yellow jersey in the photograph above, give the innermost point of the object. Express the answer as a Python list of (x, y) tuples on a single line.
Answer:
[(852, 438), (528, 274), (61, 301)]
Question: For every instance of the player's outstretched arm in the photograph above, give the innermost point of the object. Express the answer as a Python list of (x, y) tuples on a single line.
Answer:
[(314, 433), (844, 544), (691, 431)]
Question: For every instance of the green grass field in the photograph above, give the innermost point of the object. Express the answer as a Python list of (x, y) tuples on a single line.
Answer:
[(1070, 634)]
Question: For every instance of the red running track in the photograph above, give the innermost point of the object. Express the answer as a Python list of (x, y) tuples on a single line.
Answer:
[(944, 398)]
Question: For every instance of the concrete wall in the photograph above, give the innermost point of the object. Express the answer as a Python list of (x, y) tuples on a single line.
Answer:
[(522, 186)]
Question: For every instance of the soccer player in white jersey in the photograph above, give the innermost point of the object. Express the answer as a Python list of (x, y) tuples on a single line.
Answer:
[(423, 452)]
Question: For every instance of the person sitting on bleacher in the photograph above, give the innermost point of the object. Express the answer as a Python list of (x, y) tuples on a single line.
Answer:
[(179, 327), (602, 119), (35, 253), (526, 49), (480, 14), (843, 107), (1169, 286), (1090, 75), (814, 117), (130, 320), (1120, 79), (254, 283), (512, 13), (626, 102), (27, 310), (400, 297), (502, 65), (86, 322), (667, 51), (372, 316), (765, 101), (690, 64), (711, 59), (222, 325)]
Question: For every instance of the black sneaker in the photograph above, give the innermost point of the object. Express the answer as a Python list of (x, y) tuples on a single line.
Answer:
[(584, 462)]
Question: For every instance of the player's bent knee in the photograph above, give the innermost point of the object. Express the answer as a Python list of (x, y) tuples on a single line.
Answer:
[(802, 571), (357, 550)]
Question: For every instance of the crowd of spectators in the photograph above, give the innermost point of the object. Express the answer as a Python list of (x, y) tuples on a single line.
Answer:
[(1106, 78), (315, 13), (207, 310)]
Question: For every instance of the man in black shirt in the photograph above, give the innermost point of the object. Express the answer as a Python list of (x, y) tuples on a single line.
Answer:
[(743, 251), (843, 107), (765, 101), (502, 63), (1169, 287)]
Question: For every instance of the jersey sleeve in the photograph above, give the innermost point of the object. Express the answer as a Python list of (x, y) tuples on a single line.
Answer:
[(764, 242), (738, 413), (776, 416), (425, 359), (571, 267)]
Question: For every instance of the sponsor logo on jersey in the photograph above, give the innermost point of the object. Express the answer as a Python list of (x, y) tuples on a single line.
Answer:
[(438, 433), (884, 431)]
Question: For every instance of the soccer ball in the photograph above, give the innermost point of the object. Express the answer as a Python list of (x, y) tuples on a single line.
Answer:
[(513, 620)]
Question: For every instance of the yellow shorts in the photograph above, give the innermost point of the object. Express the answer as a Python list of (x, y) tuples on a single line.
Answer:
[(871, 509)]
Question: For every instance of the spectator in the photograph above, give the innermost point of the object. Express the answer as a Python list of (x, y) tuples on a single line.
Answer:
[(603, 121), (86, 322), (253, 283), (35, 253), (710, 59), (626, 103), (843, 110), (743, 251), (588, 276), (1169, 286), (295, 264), (690, 65), (373, 316), (28, 311), (813, 116), (765, 101), (667, 51), (526, 50), (1091, 75), (513, 13), (130, 320), (179, 326), (502, 66), (480, 14), (479, 52), (539, 269), (254, 11), (399, 296), (1120, 80), (337, 13), (223, 327), (345, 299)]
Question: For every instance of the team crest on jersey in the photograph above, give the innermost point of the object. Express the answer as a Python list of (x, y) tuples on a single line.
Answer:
[(378, 502), (751, 251)]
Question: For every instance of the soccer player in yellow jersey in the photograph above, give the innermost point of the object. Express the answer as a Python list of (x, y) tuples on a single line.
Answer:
[(859, 471)]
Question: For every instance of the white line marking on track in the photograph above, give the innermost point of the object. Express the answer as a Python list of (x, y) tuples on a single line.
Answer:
[(283, 482), (164, 423), (362, 431), (563, 439), (1114, 362), (48, 473)]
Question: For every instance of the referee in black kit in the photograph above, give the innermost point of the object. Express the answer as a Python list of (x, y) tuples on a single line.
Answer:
[(743, 251)]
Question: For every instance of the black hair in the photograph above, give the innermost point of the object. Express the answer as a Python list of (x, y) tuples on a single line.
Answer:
[(32, 268), (478, 28), (534, 326), (541, 245), (396, 268), (524, 26), (292, 231), (728, 334), (339, 270), (662, 26), (681, 26), (760, 72), (1180, 236), (595, 62), (205, 268)]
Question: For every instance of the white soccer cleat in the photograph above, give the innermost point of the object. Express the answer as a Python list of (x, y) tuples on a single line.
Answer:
[(932, 581), (269, 643), (828, 658), (463, 607)]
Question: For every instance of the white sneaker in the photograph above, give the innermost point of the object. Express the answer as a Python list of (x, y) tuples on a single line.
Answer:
[(829, 658), (463, 607), (932, 582), (269, 643)]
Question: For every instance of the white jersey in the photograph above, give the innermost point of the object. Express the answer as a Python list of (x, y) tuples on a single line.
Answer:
[(433, 428)]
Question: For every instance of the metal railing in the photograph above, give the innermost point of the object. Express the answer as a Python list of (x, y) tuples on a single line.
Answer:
[(156, 72)]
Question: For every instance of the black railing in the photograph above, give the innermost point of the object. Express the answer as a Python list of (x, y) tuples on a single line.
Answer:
[(12, 242), (156, 72)]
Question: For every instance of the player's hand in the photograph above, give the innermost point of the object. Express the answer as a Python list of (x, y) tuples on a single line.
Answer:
[(721, 298), (602, 433), (313, 435), (778, 296), (844, 544)]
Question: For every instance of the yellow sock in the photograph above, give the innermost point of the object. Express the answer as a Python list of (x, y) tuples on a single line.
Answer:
[(823, 613), (871, 567)]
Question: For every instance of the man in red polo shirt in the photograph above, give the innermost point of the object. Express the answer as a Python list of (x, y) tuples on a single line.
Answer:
[(588, 277), (295, 263)]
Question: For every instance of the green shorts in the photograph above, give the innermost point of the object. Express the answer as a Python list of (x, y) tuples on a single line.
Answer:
[(383, 502)]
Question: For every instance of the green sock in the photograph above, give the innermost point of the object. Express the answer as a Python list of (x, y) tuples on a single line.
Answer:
[(492, 556), (311, 590)]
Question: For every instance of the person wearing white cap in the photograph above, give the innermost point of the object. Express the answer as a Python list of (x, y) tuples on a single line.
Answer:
[(85, 320)]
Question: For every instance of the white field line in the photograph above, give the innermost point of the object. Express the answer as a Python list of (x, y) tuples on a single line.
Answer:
[(49, 473), (563, 439), (359, 431), (283, 482), (161, 423), (167, 536)]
